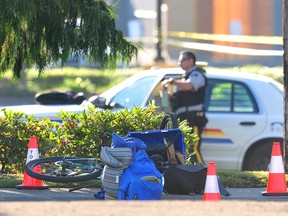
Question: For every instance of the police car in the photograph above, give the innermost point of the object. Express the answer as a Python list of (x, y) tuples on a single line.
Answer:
[(244, 111)]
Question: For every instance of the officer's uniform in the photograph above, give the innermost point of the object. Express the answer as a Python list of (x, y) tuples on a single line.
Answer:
[(190, 105)]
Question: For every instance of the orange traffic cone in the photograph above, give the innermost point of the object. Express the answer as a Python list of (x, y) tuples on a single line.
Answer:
[(276, 184), (211, 191), (29, 182)]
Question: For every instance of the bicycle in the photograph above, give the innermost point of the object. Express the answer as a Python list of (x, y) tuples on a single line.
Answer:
[(74, 169), (64, 169)]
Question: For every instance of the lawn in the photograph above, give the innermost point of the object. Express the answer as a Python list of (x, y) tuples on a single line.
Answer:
[(90, 81)]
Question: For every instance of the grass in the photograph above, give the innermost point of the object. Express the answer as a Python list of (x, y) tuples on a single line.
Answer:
[(90, 81), (229, 179), (275, 72), (11, 181), (243, 179)]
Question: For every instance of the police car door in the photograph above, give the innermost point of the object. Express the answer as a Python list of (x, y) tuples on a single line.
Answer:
[(234, 118)]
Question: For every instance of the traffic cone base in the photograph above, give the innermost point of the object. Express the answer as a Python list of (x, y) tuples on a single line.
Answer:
[(281, 182), (30, 183), (212, 196), (276, 184), (265, 193)]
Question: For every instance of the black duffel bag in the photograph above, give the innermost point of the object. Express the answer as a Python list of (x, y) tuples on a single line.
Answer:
[(185, 179)]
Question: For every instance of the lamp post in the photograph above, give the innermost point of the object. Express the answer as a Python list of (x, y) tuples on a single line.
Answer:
[(159, 57)]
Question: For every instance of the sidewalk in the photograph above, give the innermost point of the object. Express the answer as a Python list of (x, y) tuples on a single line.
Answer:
[(62, 194)]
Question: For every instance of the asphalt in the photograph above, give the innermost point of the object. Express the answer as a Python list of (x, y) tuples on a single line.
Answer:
[(87, 194)]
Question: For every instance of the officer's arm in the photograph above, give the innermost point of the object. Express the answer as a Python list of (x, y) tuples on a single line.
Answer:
[(182, 85)]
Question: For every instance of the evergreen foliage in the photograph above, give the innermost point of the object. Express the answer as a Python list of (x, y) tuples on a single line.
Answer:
[(42, 32)]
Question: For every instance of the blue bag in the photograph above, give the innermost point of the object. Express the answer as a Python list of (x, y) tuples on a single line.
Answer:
[(141, 180), (132, 142)]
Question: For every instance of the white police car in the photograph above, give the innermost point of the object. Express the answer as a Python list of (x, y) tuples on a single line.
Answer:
[(245, 113)]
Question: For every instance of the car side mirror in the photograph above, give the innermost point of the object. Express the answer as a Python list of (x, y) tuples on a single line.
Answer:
[(98, 101)]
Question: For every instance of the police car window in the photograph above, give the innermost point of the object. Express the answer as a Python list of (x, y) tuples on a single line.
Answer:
[(135, 93), (243, 100), (229, 96)]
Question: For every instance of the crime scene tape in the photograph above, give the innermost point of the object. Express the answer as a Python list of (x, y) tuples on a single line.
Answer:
[(273, 40), (225, 49), (210, 47)]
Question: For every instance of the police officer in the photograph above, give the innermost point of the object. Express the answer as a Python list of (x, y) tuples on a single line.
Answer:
[(188, 99)]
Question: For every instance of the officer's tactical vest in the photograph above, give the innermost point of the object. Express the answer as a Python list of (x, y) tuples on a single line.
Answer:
[(191, 98)]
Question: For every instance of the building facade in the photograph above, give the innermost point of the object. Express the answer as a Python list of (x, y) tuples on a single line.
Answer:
[(201, 22)]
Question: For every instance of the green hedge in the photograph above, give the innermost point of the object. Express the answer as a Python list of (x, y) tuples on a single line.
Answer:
[(80, 134)]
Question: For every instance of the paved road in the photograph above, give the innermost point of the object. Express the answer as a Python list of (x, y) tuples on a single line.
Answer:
[(11, 101), (82, 202)]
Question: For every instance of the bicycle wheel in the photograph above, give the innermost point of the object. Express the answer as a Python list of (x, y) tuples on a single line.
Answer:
[(169, 121), (64, 169)]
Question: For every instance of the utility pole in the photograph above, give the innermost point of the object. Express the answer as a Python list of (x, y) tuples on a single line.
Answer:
[(285, 71), (159, 57)]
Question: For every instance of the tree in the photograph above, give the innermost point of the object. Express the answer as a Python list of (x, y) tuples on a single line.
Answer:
[(42, 32)]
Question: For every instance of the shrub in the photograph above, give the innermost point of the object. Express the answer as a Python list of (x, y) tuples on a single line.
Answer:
[(80, 134), (15, 130)]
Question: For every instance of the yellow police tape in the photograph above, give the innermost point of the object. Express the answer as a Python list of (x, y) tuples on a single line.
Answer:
[(211, 47), (273, 40), (225, 49)]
